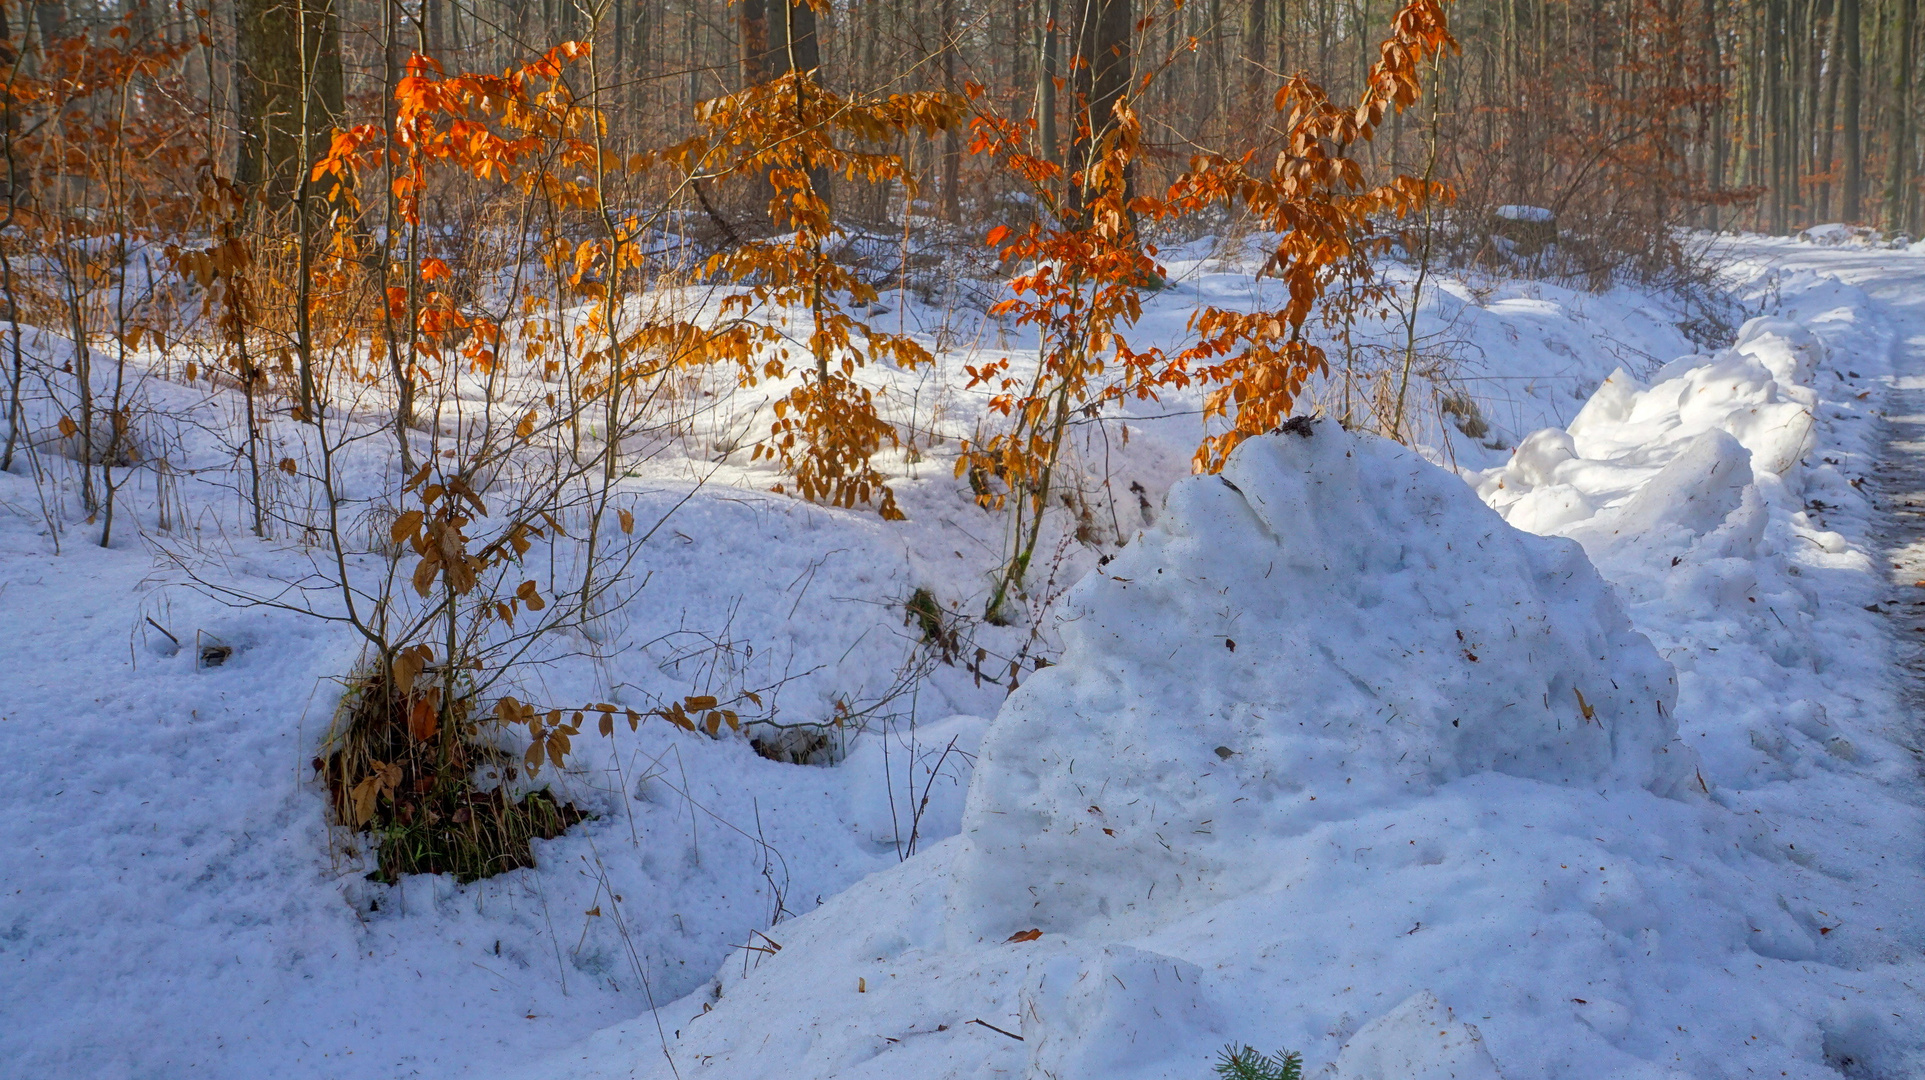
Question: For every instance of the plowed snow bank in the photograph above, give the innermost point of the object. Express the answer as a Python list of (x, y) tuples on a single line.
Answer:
[(1338, 761), (1331, 626)]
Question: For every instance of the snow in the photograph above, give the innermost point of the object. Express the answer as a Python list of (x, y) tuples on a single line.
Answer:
[(1403, 861), (180, 906), (1838, 234), (1399, 1045), (1525, 213), (1330, 628), (1188, 896)]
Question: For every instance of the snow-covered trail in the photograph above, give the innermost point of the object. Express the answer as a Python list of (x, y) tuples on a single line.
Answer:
[(1899, 286), (1895, 281)]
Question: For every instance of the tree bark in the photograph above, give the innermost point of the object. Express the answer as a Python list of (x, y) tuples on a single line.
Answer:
[(777, 39), (1101, 77), (1046, 86), (51, 20), (1256, 46), (1851, 63), (951, 139), (1899, 146), (1828, 116), (271, 37)]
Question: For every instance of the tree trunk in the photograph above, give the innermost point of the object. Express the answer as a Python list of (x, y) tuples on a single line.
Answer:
[(1256, 47), (1898, 170), (1046, 86), (272, 36), (1828, 116), (1851, 63), (951, 139), (51, 19), (778, 39), (1101, 77), (1713, 61), (1773, 149)]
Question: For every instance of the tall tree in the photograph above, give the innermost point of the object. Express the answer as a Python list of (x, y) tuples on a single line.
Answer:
[(779, 38), (1256, 49), (951, 139), (289, 78), (1898, 147), (1101, 77), (1046, 44), (1852, 90)]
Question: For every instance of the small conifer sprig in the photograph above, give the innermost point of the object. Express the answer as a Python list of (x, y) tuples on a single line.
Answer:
[(1248, 1063)]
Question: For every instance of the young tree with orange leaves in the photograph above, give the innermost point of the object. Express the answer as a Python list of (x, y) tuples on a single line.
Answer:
[(1090, 265)]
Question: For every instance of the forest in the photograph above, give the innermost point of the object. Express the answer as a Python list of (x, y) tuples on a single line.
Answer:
[(631, 508)]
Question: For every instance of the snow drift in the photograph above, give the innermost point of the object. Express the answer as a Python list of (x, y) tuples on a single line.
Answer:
[(1333, 756), (1696, 492), (1331, 625), (1706, 422), (1338, 761)]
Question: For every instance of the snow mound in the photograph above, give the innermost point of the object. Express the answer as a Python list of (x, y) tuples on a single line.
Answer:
[(1839, 234), (1525, 213), (1704, 499), (1354, 834), (1331, 625), (1705, 424), (1091, 1017), (1418, 1040)]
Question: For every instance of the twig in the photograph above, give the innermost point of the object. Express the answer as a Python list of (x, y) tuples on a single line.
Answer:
[(997, 1030)]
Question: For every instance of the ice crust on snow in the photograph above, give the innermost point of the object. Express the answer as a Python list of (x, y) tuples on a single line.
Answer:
[(1351, 627)]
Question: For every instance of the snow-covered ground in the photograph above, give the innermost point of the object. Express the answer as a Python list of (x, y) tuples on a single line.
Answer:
[(1334, 757)]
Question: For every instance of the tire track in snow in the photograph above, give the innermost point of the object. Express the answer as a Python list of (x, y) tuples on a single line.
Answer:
[(1895, 281), (1901, 498)]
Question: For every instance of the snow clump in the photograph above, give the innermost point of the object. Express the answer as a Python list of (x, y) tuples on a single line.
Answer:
[(1330, 626)]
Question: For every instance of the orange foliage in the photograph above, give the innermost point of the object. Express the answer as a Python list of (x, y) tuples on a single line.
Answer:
[(1088, 267), (1315, 197), (787, 133)]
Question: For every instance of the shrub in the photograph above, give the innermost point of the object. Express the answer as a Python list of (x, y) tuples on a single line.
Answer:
[(413, 790)]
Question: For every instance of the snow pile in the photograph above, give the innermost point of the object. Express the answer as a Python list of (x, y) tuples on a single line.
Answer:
[(1331, 626), (1697, 495), (1337, 761), (1504, 356), (1704, 421), (119, 835), (1526, 213), (1839, 234)]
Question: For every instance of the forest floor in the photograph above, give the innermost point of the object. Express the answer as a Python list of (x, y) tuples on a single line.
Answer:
[(1721, 876)]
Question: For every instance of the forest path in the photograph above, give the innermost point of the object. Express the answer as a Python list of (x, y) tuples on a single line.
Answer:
[(1900, 474), (1895, 280)]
